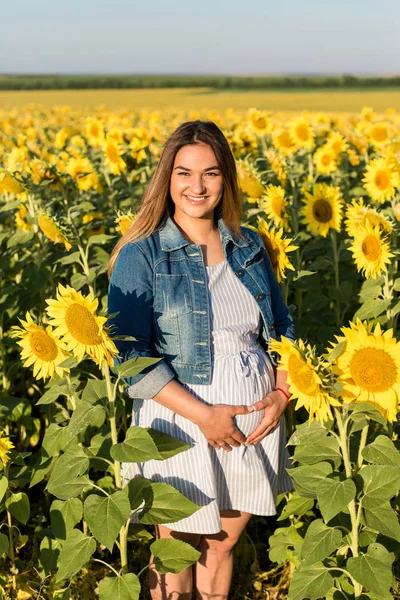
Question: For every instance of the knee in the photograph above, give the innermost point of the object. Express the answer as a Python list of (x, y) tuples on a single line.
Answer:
[(220, 547), (190, 538)]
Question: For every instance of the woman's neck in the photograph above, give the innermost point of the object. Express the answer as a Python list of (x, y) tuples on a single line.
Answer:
[(197, 231)]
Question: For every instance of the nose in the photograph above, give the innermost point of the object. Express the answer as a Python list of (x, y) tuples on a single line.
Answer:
[(198, 186)]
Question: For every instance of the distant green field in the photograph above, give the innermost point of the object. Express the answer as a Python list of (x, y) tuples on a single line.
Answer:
[(238, 82), (208, 99)]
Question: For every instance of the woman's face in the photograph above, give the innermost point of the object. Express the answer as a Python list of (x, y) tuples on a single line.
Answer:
[(196, 184)]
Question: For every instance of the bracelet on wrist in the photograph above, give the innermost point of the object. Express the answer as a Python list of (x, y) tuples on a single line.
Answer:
[(284, 393)]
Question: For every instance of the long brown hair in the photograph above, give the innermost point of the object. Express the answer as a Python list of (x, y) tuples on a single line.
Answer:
[(157, 203)]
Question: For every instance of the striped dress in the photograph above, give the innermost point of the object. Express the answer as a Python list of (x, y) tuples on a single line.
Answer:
[(247, 478)]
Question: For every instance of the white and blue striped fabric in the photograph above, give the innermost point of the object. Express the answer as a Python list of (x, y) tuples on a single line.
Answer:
[(247, 478)]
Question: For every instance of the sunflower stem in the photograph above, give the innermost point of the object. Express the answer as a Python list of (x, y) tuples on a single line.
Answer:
[(336, 251), (355, 518), (11, 539), (111, 393), (86, 268), (363, 441)]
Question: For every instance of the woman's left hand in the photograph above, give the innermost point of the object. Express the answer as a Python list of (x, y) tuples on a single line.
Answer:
[(274, 405)]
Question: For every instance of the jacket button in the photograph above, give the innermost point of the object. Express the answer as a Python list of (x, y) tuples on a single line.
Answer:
[(240, 273), (272, 327), (260, 296)]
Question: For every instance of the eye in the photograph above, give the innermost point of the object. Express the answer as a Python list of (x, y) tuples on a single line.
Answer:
[(213, 174), (183, 173)]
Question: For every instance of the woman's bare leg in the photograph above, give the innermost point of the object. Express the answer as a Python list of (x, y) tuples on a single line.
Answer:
[(172, 586), (214, 569)]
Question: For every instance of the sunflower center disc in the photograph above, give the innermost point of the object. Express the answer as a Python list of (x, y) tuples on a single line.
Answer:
[(322, 211), (373, 369), (380, 134), (302, 133), (371, 247), (43, 346), (82, 325), (382, 180)]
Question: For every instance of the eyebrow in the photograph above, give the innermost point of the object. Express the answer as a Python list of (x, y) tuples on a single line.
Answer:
[(186, 169)]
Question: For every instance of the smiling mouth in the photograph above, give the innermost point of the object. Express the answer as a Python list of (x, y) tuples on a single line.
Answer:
[(196, 198)]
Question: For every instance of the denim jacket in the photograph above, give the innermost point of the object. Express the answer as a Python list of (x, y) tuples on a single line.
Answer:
[(158, 289)]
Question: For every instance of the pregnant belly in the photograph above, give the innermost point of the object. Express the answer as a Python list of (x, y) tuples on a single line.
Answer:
[(248, 423)]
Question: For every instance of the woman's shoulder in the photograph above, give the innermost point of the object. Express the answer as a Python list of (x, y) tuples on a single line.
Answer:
[(252, 235), (141, 253)]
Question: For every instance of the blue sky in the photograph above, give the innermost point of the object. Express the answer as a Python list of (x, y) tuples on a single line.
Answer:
[(220, 36)]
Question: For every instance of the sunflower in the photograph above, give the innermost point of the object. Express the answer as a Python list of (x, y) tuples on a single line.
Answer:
[(138, 149), (20, 218), (274, 204), (301, 134), (379, 134), (337, 142), (259, 121), (370, 252), (322, 210), (305, 384), (40, 348), (277, 248), (369, 367), (277, 164), (53, 230), (82, 172), (5, 447), (8, 183), (113, 157), (94, 132), (353, 157), (97, 218), (74, 318), (357, 214), (61, 137), (123, 222), (367, 114), (283, 142), (381, 180), (249, 181), (325, 160)]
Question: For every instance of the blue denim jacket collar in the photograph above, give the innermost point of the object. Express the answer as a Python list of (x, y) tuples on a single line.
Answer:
[(171, 237)]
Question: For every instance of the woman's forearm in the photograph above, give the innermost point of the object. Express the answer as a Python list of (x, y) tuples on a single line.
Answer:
[(281, 381), (175, 397)]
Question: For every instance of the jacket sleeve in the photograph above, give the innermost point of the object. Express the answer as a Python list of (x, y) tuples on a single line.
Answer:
[(282, 318), (130, 296)]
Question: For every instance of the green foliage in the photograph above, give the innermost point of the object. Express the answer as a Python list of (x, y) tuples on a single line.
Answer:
[(292, 82), (347, 552), (373, 570), (126, 587), (164, 504), (106, 515), (18, 506), (75, 553), (173, 556)]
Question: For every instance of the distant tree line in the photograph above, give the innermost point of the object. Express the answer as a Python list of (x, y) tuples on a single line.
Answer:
[(218, 82)]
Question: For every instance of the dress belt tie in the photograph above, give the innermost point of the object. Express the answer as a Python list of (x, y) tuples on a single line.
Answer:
[(252, 362)]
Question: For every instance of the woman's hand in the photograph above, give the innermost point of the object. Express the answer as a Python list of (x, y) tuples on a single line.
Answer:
[(219, 428), (274, 405)]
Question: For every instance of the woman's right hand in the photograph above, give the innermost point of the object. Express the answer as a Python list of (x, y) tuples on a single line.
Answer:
[(219, 428)]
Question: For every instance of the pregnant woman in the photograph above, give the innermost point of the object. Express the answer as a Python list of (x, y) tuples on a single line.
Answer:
[(194, 287)]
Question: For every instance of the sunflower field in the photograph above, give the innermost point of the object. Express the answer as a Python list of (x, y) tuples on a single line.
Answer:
[(323, 190)]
